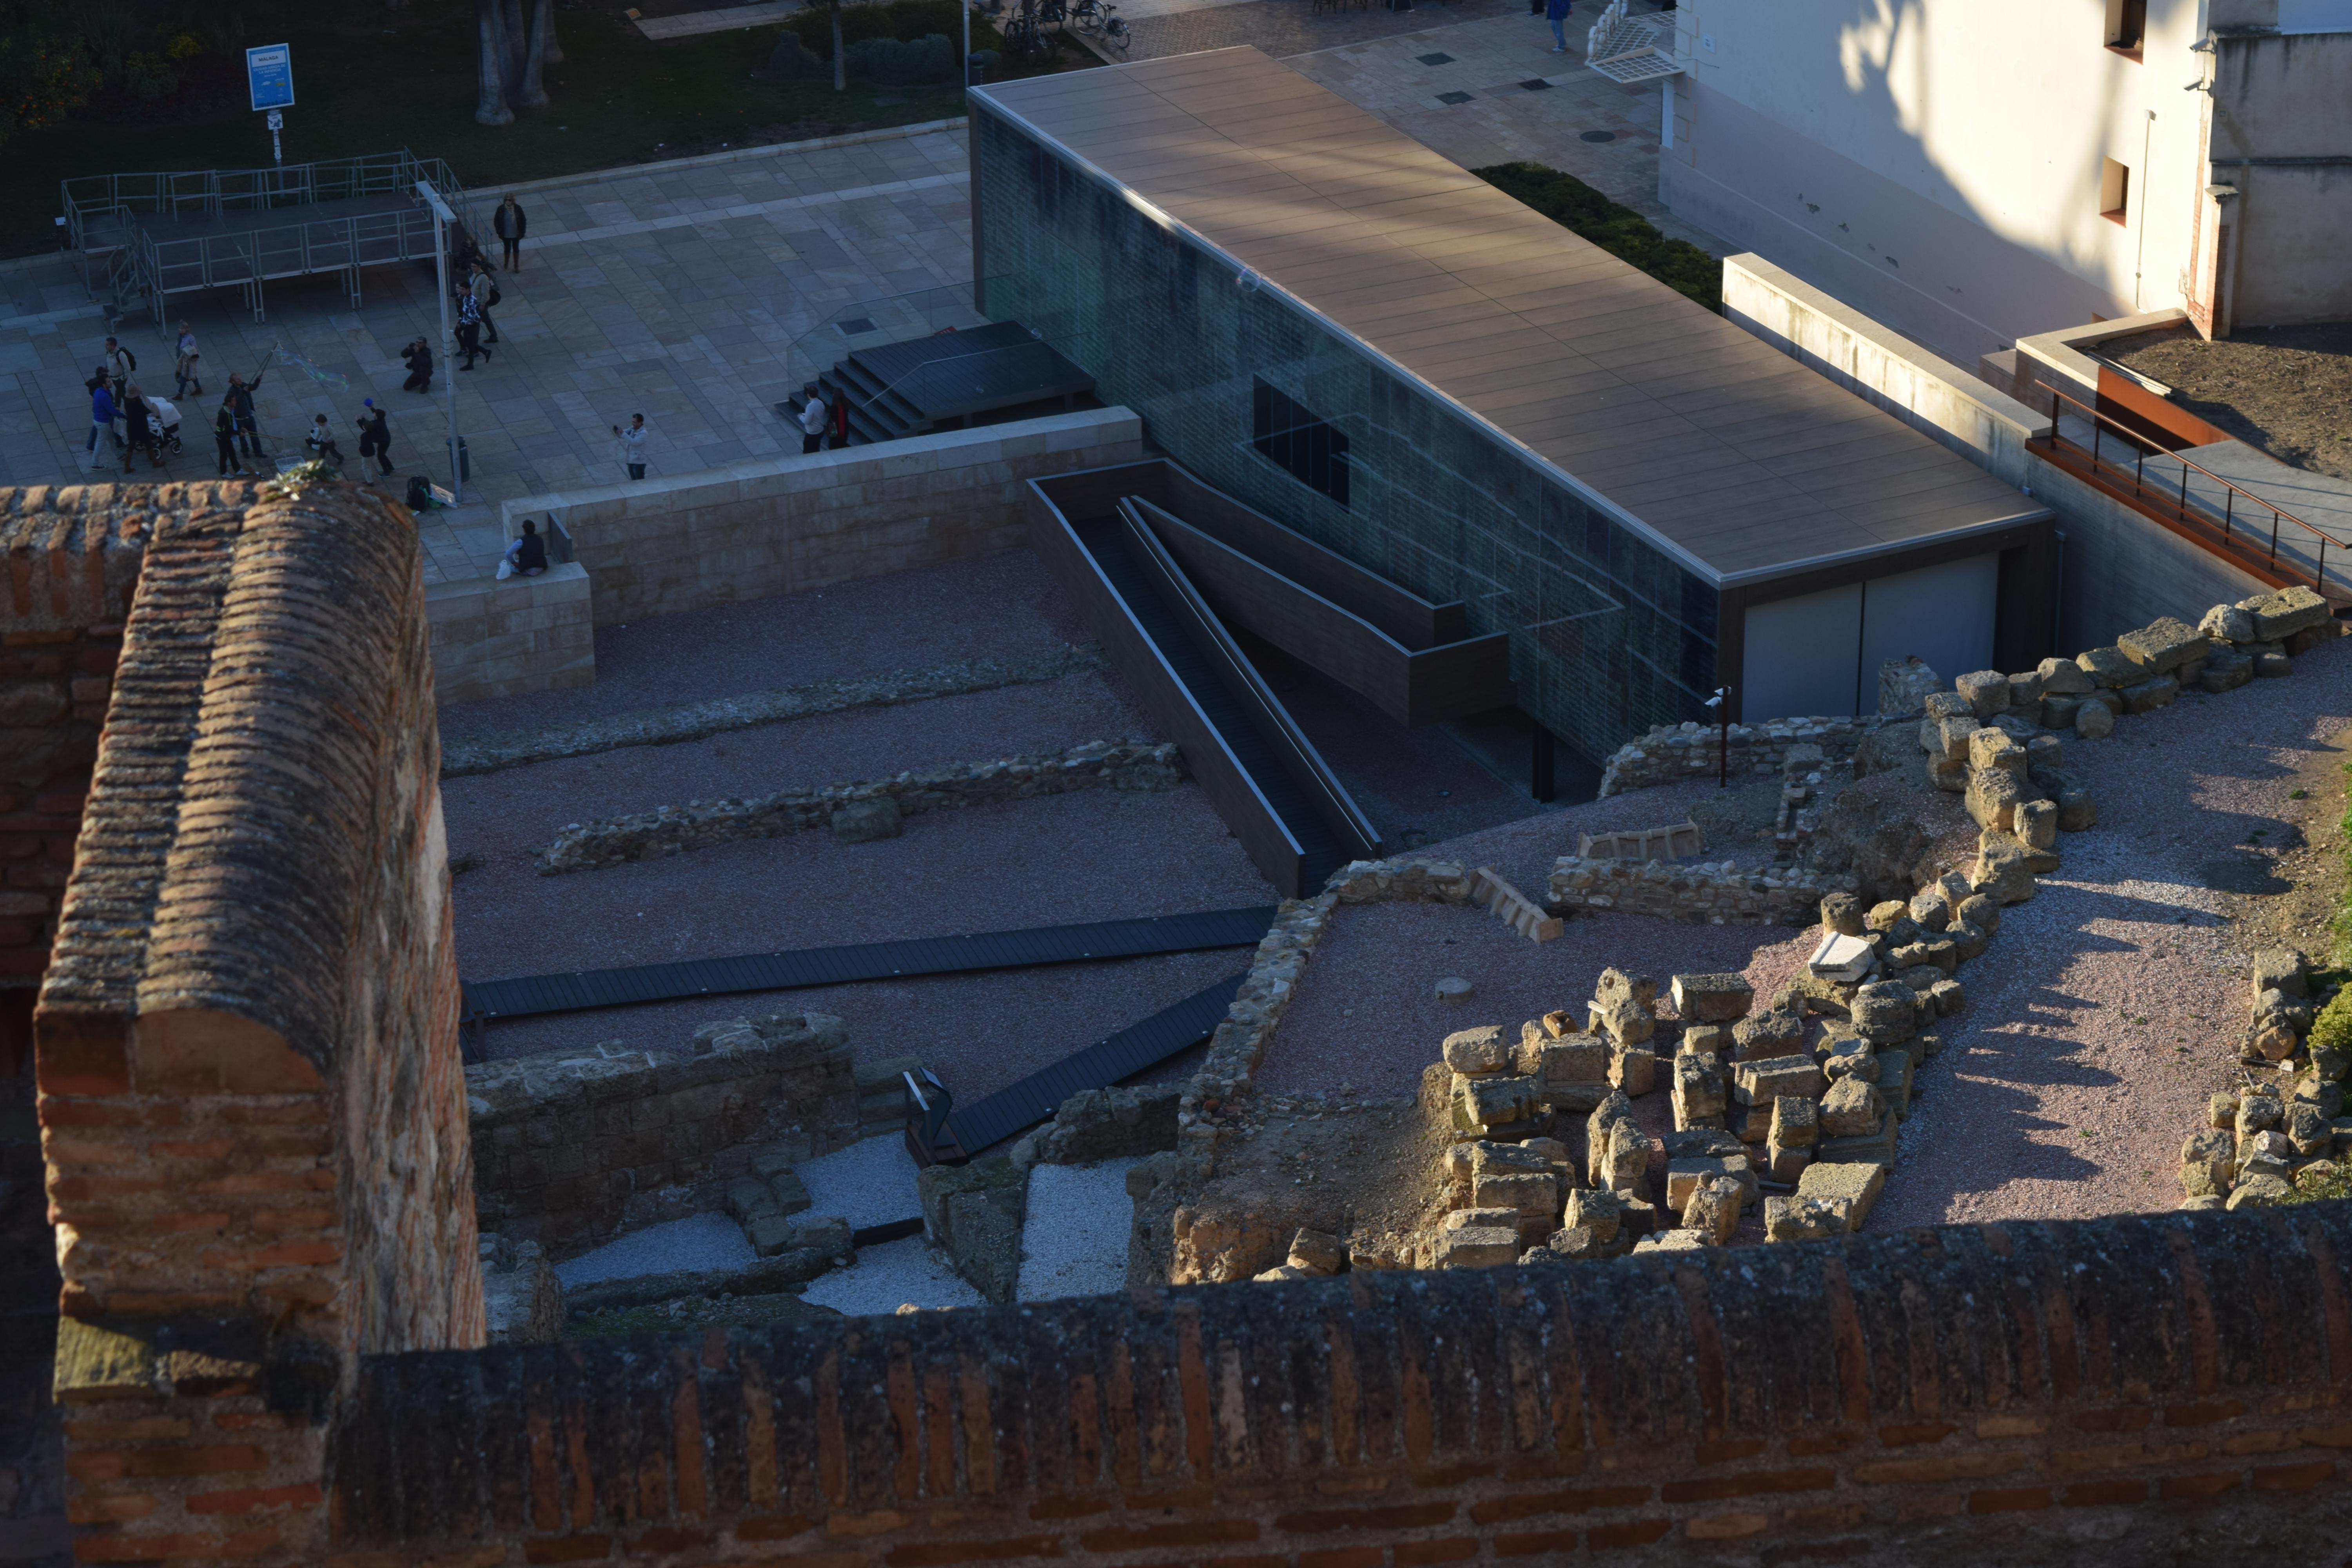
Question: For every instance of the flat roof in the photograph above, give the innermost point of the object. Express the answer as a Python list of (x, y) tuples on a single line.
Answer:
[(1745, 464)]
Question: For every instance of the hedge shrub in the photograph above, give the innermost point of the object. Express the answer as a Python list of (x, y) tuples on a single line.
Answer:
[(1613, 226)]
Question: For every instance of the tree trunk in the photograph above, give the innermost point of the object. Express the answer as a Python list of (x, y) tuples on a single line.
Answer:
[(518, 42), (533, 93), (491, 109), (551, 53), (840, 58)]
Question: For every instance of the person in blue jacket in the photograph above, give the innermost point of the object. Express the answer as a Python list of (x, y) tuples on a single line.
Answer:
[(101, 421), (1556, 13)]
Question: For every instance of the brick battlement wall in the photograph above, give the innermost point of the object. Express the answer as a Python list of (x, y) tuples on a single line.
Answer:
[(2022, 1393), (246, 1043), (72, 563)]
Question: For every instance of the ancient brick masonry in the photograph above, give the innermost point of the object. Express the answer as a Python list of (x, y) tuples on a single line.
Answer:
[(72, 565), (2001, 1394), (250, 1095)]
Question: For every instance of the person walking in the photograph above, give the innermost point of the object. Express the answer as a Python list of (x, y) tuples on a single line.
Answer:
[(812, 414), (101, 422), (240, 396), (418, 357), (185, 366), (375, 439), (1556, 13), (225, 437), (470, 328), (122, 365), (135, 432), (485, 294), (510, 224), (841, 421), (633, 445)]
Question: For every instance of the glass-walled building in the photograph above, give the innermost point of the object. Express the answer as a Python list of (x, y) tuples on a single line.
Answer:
[(1321, 317)]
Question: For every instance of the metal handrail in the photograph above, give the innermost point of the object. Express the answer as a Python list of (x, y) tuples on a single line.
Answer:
[(2233, 490)]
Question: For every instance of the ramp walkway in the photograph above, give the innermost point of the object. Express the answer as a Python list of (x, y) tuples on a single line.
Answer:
[(1130, 1051), (142, 239), (491, 1001)]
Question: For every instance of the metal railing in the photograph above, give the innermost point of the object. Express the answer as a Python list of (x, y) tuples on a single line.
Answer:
[(2144, 445), (103, 208)]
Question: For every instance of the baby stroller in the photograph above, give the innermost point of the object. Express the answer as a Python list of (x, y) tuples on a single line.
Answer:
[(162, 426)]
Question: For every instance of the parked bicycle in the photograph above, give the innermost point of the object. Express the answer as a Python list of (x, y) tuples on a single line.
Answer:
[(1113, 29)]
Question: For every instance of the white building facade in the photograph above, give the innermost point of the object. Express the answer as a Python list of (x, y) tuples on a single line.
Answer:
[(1972, 172)]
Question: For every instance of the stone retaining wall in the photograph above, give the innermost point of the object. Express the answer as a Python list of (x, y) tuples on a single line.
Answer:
[(562, 1148), (672, 830), (789, 524), (1710, 893), (1672, 753), (493, 638)]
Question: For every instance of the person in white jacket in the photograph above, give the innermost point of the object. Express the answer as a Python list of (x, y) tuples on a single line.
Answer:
[(812, 421), (633, 445)]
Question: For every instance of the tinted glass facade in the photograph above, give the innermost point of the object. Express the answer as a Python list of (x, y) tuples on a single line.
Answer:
[(1609, 634)]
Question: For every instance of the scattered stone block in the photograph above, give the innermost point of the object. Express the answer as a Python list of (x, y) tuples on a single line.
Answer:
[(1986, 692), (1635, 1069), (1713, 1211), (1628, 1166), (1882, 1012), (2260, 1190), (1479, 1247), (2004, 870), (1947, 997), (1851, 1109), (2228, 623), (2162, 646), (2272, 667), (1796, 1121), (1596, 1210), (1855, 1185), (1698, 1095), (1474, 1052), (2280, 969), (1848, 1056), (1775, 1032), (1616, 984), (2209, 1161), (2147, 695), (2062, 678), (2095, 721), (2025, 691), (1929, 907), (2107, 668), (1895, 1081), (1612, 1110), (1786, 1162), (2226, 672), (863, 821), (1766, 1079), (1677, 1240), (2309, 1131), (1805, 1219), (1712, 999), (1842, 913), (2221, 1110), (1705, 1040), (1452, 990), (2285, 612), (2037, 823), (2058, 712), (1484, 1105), (1533, 1196)]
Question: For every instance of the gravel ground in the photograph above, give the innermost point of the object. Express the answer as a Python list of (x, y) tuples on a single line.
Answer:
[(2286, 390), (702, 1241), (889, 1276), (870, 1182), (1074, 1241), (1098, 855), (1001, 607), (505, 816), (2110, 1005)]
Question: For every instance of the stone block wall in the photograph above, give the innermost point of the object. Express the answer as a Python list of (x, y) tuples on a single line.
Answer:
[(2027, 1393), (787, 525), (1671, 754), (1722, 893), (251, 1102), (72, 569), (563, 1149), (500, 640)]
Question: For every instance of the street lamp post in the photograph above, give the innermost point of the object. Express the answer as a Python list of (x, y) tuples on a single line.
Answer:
[(442, 220)]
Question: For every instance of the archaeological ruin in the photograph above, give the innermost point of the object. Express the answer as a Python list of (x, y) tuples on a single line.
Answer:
[(1595, 1271)]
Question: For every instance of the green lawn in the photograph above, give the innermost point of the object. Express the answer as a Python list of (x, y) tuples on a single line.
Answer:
[(405, 78)]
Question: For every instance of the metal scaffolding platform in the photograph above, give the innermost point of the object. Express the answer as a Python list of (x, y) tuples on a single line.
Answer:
[(144, 238)]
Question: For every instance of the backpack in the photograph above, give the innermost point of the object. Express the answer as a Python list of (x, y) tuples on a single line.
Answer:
[(492, 301)]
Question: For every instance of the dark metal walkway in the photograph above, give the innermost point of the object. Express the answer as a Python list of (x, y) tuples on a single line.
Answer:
[(487, 1001), (1123, 1054)]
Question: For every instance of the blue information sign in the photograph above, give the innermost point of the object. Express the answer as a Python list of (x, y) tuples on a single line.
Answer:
[(269, 75)]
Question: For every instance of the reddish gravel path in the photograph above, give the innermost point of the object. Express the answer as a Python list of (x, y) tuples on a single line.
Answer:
[(2096, 1022)]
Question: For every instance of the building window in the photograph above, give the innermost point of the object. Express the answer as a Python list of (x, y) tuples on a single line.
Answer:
[(2127, 24), (1295, 441), (2114, 191)]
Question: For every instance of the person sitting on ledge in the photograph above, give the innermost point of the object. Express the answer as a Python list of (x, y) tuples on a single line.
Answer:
[(528, 555)]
